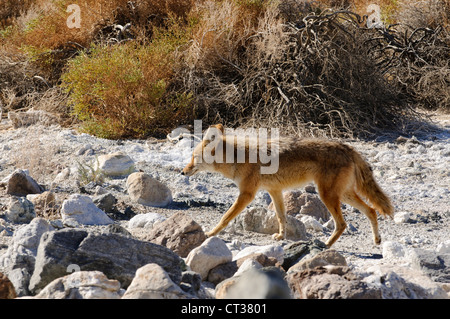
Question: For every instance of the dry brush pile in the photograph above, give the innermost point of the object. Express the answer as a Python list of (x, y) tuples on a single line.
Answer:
[(139, 68)]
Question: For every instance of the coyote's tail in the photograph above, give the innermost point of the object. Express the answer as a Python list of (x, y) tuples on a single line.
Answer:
[(369, 188)]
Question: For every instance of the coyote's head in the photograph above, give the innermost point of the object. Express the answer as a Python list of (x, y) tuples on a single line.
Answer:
[(203, 155)]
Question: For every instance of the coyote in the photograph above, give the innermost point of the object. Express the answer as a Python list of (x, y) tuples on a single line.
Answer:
[(339, 172)]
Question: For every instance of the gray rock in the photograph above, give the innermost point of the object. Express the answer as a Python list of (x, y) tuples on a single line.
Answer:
[(81, 209), (321, 259), (116, 256), (19, 259), (82, 285), (294, 252), (330, 282), (265, 283), (105, 202), (435, 265), (20, 210), (261, 220), (145, 190)]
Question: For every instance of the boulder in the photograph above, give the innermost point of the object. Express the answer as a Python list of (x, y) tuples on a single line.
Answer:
[(432, 263), (116, 164), (117, 256), (210, 254), (179, 233), (7, 290), (399, 282), (19, 183), (144, 189), (82, 285), (265, 283), (19, 260), (294, 252), (261, 220), (20, 210), (153, 282), (329, 282), (321, 259), (81, 209), (306, 203)]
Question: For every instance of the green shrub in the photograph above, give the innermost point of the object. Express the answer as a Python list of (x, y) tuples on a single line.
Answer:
[(125, 90)]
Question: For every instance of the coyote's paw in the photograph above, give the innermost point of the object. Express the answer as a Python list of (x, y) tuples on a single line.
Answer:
[(209, 234), (278, 236)]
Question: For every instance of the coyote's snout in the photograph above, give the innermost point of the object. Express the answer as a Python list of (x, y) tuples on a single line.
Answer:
[(339, 172)]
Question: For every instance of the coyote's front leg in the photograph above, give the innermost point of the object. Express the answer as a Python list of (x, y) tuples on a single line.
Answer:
[(277, 199), (241, 202)]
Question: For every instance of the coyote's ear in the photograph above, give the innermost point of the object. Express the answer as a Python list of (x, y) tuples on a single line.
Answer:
[(213, 132), (219, 127)]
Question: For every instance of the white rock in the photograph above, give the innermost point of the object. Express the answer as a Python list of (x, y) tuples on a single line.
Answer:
[(152, 282), (145, 220), (392, 249), (210, 254), (274, 251), (443, 248), (81, 209), (82, 285), (116, 164), (148, 191), (402, 217), (311, 223), (247, 265)]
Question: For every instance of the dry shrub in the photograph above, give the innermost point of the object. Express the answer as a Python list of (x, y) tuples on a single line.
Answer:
[(310, 76)]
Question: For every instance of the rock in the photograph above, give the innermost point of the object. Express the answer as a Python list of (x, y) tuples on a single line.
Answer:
[(191, 282), (306, 203), (321, 259), (211, 253), (20, 210), (330, 282), (222, 272), (435, 265), (116, 164), (443, 248), (261, 220), (311, 223), (7, 290), (19, 260), (82, 285), (42, 201), (145, 220), (105, 202), (274, 251), (117, 256), (392, 250), (397, 282), (403, 217), (266, 283), (144, 189), (179, 233), (81, 209), (21, 184), (153, 282), (293, 201), (294, 252)]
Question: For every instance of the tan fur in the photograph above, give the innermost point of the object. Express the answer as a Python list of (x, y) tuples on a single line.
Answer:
[(338, 171)]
